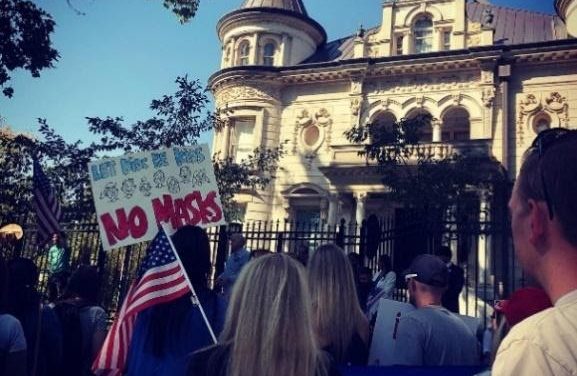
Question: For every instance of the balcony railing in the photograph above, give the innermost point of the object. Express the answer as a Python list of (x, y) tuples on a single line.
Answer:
[(348, 154)]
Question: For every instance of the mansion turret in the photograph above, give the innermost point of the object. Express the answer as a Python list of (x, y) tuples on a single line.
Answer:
[(491, 77)]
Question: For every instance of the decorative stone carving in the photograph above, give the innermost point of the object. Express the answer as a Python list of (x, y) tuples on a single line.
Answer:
[(487, 76), (356, 104), (457, 98), (246, 93), (488, 96), (487, 18), (323, 117), (529, 104), (555, 105), (356, 85), (420, 99), (411, 84), (306, 129), (303, 118), (556, 102)]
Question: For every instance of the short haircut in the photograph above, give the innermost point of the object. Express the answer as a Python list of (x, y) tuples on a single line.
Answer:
[(84, 283), (557, 168), (444, 251)]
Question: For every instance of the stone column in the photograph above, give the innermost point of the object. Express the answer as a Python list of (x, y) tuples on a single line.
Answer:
[(361, 199), (484, 241), (333, 209), (437, 134), (254, 59), (324, 206), (225, 140), (407, 43)]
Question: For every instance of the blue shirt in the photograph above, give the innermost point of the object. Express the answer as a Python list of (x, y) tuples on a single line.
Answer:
[(58, 259), (184, 331), (233, 267)]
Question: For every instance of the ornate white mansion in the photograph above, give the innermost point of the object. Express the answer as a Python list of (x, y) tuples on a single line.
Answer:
[(492, 78)]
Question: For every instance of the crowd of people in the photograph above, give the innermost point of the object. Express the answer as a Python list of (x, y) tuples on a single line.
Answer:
[(313, 313)]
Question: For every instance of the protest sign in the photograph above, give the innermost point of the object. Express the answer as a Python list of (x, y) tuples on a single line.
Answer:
[(389, 315), (136, 193)]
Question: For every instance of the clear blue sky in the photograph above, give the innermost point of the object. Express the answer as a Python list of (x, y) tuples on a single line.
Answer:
[(122, 54)]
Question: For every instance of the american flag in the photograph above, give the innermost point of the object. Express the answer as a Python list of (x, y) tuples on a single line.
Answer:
[(160, 280), (48, 212)]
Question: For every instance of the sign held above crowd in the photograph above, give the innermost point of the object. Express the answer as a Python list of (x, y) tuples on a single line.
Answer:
[(136, 193)]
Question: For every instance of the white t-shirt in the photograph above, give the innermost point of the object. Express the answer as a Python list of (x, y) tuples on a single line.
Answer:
[(11, 334), (543, 344)]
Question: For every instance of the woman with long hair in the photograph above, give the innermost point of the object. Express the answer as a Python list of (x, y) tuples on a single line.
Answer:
[(83, 321), (166, 334), (340, 325), (268, 328)]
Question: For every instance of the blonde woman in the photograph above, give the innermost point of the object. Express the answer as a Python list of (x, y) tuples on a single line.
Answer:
[(268, 328), (340, 325)]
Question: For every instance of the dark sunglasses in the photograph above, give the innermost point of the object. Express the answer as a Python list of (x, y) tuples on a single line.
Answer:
[(541, 144)]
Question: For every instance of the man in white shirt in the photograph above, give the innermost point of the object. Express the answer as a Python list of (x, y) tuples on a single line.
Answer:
[(544, 225)]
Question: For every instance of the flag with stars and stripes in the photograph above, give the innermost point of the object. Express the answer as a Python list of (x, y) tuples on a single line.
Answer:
[(160, 279), (48, 211)]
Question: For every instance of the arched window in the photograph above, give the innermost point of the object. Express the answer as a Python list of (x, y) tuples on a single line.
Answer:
[(423, 33), (426, 130), (383, 126), (268, 53), (243, 53), (456, 125), (541, 122)]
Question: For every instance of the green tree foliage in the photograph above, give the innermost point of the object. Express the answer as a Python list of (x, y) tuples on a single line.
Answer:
[(179, 120), (24, 40), (416, 176), (64, 163), (183, 9)]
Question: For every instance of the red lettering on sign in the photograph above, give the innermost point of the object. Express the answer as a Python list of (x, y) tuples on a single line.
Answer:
[(191, 199), (163, 210), (192, 209), (181, 216), (138, 222), (211, 212), (119, 228)]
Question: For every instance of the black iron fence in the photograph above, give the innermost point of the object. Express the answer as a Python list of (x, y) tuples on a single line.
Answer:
[(483, 248)]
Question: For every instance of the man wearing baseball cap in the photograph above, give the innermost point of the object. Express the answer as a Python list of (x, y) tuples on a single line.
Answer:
[(431, 335)]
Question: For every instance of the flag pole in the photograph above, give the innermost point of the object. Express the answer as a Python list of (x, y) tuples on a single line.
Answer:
[(194, 298)]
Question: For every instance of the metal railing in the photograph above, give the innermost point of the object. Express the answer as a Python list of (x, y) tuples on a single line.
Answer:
[(482, 249)]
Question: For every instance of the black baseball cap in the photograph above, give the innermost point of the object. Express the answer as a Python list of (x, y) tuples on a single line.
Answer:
[(430, 270)]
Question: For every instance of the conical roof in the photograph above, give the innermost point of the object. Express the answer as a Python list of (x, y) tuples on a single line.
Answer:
[(295, 6)]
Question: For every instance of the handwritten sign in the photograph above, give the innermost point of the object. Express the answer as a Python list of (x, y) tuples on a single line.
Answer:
[(389, 315), (136, 193)]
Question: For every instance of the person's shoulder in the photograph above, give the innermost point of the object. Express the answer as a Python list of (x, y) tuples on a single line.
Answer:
[(9, 321), (535, 328), (210, 360)]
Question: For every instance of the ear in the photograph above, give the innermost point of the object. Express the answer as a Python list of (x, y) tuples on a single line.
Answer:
[(538, 220)]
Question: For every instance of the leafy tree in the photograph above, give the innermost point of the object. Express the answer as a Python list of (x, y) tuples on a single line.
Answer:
[(179, 120), (24, 40), (432, 186), (183, 9), (64, 163)]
